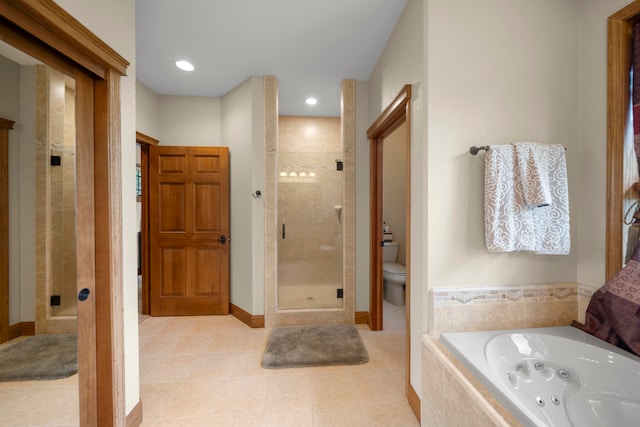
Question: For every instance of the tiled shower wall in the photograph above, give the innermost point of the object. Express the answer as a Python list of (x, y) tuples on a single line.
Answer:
[(491, 308), (310, 193), (55, 202)]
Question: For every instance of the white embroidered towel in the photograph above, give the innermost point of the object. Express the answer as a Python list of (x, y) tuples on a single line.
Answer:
[(532, 165), (551, 222), (508, 222)]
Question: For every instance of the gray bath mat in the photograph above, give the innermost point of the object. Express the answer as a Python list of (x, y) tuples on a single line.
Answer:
[(40, 357), (320, 345)]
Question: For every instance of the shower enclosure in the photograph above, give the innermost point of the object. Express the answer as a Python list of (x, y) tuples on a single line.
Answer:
[(310, 213), (55, 201), (309, 204)]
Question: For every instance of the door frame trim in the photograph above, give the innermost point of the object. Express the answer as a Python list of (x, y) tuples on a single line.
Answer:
[(145, 142), (5, 126), (48, 33), (618, 65), (398, 112)]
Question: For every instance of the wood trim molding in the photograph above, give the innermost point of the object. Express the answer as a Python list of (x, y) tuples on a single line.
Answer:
[(392, 116), (134, 418), (246, 317), (618, 65), (46, 21), (22, 329), (145, 142), (141, 138), (5, 126), (414, 402), (361, 318)]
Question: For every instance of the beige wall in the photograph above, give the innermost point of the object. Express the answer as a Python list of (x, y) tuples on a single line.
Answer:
[(495, 78), (401, 63), (242, 130), (191, 121), (147, 111), (502, 71), (394, 187)]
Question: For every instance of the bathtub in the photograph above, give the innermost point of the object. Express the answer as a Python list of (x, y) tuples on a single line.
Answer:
[(559, 376)]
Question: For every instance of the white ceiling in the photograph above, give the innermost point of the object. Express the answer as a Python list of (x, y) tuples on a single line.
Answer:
[(309, 45)]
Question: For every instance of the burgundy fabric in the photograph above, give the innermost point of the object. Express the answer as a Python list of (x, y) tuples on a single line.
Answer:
[(613, 313)]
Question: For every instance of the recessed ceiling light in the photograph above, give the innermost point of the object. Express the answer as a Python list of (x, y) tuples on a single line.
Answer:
[(185, 65), (311, 101)]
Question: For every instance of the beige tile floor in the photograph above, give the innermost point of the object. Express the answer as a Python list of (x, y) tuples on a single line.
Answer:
[(205, 371)]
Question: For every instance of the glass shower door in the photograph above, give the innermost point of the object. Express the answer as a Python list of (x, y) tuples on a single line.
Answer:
[(310, 241)]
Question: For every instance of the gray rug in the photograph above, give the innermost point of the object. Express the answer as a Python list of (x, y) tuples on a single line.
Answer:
[(321, 345), (40, 357)]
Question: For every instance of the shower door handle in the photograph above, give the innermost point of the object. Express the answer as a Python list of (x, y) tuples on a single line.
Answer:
[(283, 234)]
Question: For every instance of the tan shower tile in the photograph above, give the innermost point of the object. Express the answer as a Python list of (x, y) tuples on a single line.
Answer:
[(243, 395), (147, 363), (215, 365), (234, 420), (152, 326), (351, 416), (229, 342), (48, 406), (172, 368), (158, 345), (293, 418), (395, 414), (550, 313), (288, 392), (12, 398), (257, 341), (193, 344), (195, 399), (155, 398), (179, 326), (376, 386), (332, 389), (249, 364)]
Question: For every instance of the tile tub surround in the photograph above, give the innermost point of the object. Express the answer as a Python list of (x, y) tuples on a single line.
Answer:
[(451, 395), (507, 307)]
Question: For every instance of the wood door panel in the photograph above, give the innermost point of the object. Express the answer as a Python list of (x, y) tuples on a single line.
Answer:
[(189, 212), (206, 218), (203, 165), (206, 281), (172, 202), (173, 262), (172, 164)]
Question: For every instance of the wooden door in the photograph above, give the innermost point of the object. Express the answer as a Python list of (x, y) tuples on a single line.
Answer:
[(189, 230)]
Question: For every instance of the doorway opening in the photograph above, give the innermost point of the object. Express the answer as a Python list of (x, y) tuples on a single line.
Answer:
[(143, 143), (393, 117)]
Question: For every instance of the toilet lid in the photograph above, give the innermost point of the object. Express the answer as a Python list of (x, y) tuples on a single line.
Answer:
[(394, 268)]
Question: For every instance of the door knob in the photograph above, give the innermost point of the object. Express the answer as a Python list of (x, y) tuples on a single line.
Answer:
[(222, 239), (83, 294)]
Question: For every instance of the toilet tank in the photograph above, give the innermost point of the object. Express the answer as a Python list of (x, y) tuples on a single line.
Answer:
[(390, 252)]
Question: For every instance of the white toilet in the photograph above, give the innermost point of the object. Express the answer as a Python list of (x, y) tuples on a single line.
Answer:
[(394, 275)]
